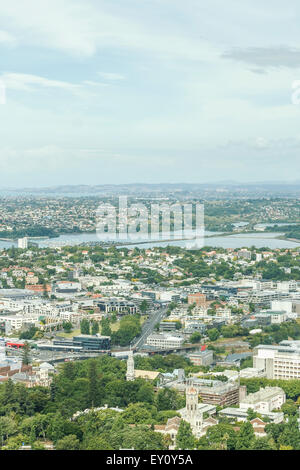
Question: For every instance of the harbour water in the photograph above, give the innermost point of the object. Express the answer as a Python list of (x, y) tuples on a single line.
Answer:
[(213, 239)]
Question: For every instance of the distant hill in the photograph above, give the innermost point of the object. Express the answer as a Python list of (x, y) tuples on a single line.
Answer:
[(220, 190)]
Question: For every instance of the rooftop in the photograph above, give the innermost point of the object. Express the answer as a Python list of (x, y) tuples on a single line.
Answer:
[(263, 394)]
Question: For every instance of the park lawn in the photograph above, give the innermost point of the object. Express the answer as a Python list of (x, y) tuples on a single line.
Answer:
[(69, 335), (115, 326)]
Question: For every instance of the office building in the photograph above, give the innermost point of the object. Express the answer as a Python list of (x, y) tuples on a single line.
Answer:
[(279, 362), (81, 343), (202, 358), (164, 341), (216, 392)]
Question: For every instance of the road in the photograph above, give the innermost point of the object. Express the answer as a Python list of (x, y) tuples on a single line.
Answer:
[(148, 327)]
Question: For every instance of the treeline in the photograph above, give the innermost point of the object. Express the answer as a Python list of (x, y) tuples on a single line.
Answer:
[(35, 231), (130, 328), (291, 387), (274, 334), (163, 363), (33, 415), (224, 436), (291, 231), (294, 233)]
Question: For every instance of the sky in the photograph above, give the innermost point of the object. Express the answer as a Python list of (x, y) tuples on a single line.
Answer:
[(150, 91)]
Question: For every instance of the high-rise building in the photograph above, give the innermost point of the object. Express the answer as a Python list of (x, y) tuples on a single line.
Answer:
[(23, 243)]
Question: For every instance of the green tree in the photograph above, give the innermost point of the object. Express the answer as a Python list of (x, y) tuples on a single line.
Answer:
[(105, 327), (185, 439), (221, 436), (290, 435), (93, 442), (167, 399), (195, 337), (263, 443), (68, 443), (144, 306), (251, 414), (245, 437), (289, 408), (93, 384), (7, 428), (67, 326), (145, 393), (26, 355), (95, 328), (85, 327), (213, 334)]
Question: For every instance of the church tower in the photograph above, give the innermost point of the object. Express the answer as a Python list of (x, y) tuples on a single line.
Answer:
[(193, 415), (191, 402), (130, 367)]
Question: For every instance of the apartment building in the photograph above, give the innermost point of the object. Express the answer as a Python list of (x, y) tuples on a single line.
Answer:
[(164, 341), (167, 325), (198, 299), (264, 297), (244, 253), (120, 306), (290, 306), (271, 317), (279, 362), (16, 322)]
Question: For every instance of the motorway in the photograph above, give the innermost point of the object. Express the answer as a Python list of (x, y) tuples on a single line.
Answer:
[(148, 327)]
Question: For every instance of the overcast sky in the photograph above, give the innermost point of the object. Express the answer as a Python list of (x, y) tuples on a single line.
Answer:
[(123, 91)]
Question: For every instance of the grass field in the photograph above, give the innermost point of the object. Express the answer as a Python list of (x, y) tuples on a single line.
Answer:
[(114, 327), (69, 335)]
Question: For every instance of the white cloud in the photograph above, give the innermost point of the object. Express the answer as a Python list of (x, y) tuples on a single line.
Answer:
[(111, 76), (7, 38), (84, 27), (26, 82), (184, 100)]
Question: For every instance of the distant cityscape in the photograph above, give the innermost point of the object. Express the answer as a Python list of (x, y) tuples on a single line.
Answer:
[(149, 231), (206, 341)]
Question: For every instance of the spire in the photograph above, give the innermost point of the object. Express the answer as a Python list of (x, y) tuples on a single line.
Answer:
[(130, 376)]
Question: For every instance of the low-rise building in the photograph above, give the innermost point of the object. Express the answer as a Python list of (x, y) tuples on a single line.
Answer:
[(239, 414), (164, 341), (216, 392), (265, 400), (202, 358)]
